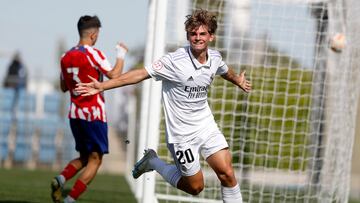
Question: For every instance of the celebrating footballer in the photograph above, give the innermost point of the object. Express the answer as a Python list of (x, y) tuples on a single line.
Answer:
[(186, 75)]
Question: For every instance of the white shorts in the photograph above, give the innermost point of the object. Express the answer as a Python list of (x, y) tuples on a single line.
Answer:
[(187, 155)]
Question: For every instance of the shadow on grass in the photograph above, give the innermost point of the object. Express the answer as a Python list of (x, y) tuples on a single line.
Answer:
[(65, 192)]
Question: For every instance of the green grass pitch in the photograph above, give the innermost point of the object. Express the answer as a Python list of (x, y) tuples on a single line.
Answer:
[(24, 186)]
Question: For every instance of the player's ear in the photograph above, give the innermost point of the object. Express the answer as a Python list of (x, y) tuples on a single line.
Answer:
[(212, 37), (94, 34)]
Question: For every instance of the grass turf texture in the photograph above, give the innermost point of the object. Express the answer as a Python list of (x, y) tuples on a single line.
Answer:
[(24, 186)]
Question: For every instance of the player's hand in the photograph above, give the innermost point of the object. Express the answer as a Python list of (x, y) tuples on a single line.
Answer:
[(88, 89), (243, 83), (121, 50)]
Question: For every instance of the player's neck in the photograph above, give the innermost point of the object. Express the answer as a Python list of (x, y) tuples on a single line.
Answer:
[(201, 56), (83, 42)]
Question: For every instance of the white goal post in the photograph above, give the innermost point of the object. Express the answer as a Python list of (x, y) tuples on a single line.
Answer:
[(291, 138)]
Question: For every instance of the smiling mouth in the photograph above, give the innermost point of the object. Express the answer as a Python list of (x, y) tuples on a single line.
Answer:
[(198, 43)]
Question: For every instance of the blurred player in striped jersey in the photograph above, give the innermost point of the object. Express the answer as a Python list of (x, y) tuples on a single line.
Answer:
[(186, 75), (87, 115)]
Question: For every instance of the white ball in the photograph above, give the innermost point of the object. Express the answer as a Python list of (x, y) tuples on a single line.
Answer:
[(338, 42)]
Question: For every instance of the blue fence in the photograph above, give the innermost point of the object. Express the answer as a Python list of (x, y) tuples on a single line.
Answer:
[(34, 130)]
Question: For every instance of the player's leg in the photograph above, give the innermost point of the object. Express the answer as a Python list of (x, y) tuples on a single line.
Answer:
[(93, 147), (150, 161), (220, 162), (87, 175), (72, 168), (58, 182), (192, 184), (93, 165), (187, 159), (185, 175)]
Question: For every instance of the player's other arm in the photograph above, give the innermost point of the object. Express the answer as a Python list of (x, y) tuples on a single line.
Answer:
[(238, 80), (63, 86), (128, 78), (121, 51)]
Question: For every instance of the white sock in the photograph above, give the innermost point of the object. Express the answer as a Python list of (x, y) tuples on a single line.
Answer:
[(61, 179), (169, 172), (231, 194), (69, 199)]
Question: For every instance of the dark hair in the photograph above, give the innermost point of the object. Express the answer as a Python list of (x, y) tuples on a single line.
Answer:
[(201, 17), (86, 22)]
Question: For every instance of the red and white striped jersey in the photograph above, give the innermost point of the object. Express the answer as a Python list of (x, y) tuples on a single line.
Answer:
[(76, 65)]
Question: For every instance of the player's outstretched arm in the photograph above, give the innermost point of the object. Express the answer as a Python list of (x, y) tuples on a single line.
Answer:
[(238, 80), (128, 78)]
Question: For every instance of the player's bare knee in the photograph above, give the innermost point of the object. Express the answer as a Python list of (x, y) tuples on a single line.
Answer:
[(227, 176), (195, 189), (95, 158)]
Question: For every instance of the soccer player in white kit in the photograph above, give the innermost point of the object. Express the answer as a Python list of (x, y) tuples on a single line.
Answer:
[(186, 75)]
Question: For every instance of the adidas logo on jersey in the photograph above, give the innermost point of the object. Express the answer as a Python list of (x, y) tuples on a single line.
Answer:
[(190, 78)]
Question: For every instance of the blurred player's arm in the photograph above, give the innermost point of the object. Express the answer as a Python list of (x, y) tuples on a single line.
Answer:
[(131, 77), (238, 80), (63, 86), (121, 51)]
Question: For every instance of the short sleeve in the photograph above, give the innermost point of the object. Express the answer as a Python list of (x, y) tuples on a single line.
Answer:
[(162, 69), (99, 60), (223, 68)]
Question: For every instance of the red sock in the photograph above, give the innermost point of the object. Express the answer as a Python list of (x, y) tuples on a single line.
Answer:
[(69, 171), (78, 188)]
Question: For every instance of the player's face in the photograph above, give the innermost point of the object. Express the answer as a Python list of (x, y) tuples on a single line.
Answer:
[(199, 38)]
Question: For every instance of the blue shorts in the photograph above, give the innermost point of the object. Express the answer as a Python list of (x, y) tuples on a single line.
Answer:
[(90, 136)]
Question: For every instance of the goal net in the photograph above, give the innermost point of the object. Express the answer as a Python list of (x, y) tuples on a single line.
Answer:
[(291, 138)]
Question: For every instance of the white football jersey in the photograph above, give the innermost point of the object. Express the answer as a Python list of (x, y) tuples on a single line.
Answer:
[(185, 84)]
